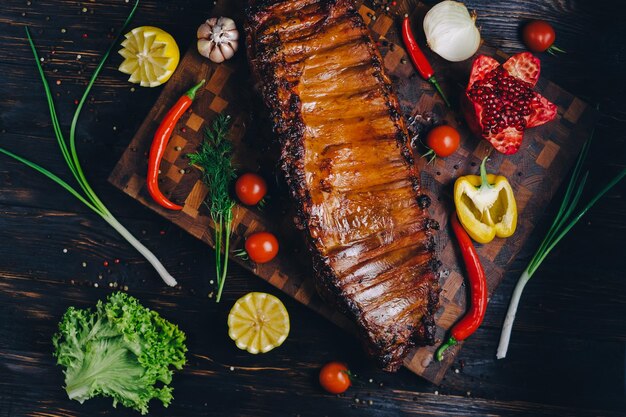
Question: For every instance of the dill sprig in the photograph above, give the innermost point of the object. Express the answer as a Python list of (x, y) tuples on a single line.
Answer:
[(214, 158)]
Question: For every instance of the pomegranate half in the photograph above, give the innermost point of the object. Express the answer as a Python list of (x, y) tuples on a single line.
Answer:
[(500, 103)]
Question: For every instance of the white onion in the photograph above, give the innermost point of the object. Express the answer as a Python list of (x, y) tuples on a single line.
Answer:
[(451, 31)]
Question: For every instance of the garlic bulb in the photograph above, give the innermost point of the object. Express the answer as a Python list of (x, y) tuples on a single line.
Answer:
[(217, 39), (451, 31)]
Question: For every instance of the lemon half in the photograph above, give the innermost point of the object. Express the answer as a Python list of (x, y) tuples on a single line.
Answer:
[(258, 322), (150, 56)]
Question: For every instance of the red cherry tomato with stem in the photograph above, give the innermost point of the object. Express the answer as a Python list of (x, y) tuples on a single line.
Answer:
[(250, 189), (261, 247), (442, 141), (539, 36), (335, 377)]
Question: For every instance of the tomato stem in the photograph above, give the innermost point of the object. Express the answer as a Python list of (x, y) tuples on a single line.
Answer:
[(431, 155), (242, 254), (552, 49)]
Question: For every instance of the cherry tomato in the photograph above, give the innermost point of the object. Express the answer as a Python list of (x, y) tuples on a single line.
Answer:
[(538, 35), (261, 247), (443, 140), (335, 377), (250, 189)]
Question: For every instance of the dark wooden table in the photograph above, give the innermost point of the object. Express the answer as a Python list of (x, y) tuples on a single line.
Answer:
[(567, 355)]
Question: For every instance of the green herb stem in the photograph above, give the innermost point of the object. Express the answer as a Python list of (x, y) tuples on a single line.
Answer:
[(70, 155), (218, 220), (228, 226), (214, 158), (561, 225)]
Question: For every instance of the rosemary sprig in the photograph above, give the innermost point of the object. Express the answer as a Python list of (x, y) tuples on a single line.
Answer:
[(214, 158), (562, 224), (85, 194)]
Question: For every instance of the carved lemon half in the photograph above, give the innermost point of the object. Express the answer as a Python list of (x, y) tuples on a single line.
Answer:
[(258, 322), (150, 56)]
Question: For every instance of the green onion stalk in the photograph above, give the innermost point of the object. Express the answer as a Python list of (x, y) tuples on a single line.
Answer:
[(563, 222), (86, 195)]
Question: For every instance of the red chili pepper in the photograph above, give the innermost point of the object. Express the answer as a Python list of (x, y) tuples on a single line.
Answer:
[(419, 59), (159, 143), (478, 289)]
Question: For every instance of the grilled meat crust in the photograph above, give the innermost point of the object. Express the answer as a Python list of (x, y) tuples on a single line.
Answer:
[(346, 158)]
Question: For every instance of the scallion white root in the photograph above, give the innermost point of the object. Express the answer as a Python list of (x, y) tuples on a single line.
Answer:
[(150, 257), (505, 336)]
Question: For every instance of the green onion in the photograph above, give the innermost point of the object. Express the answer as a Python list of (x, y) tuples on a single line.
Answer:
[(562, 224), (88, 196), (214, 158)]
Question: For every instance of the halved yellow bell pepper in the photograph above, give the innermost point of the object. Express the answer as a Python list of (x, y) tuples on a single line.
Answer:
[(485, 205)]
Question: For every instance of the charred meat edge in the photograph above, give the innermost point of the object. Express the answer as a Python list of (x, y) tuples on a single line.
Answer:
[(289, 127)]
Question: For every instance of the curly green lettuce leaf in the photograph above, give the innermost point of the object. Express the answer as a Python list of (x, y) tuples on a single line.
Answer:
[(121, 350)]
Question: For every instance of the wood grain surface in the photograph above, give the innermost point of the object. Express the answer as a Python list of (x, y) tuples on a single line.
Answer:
[(535, 172), (567, 355)]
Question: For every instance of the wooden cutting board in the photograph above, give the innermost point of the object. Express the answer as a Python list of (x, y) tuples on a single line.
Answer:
[(535, 172)]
